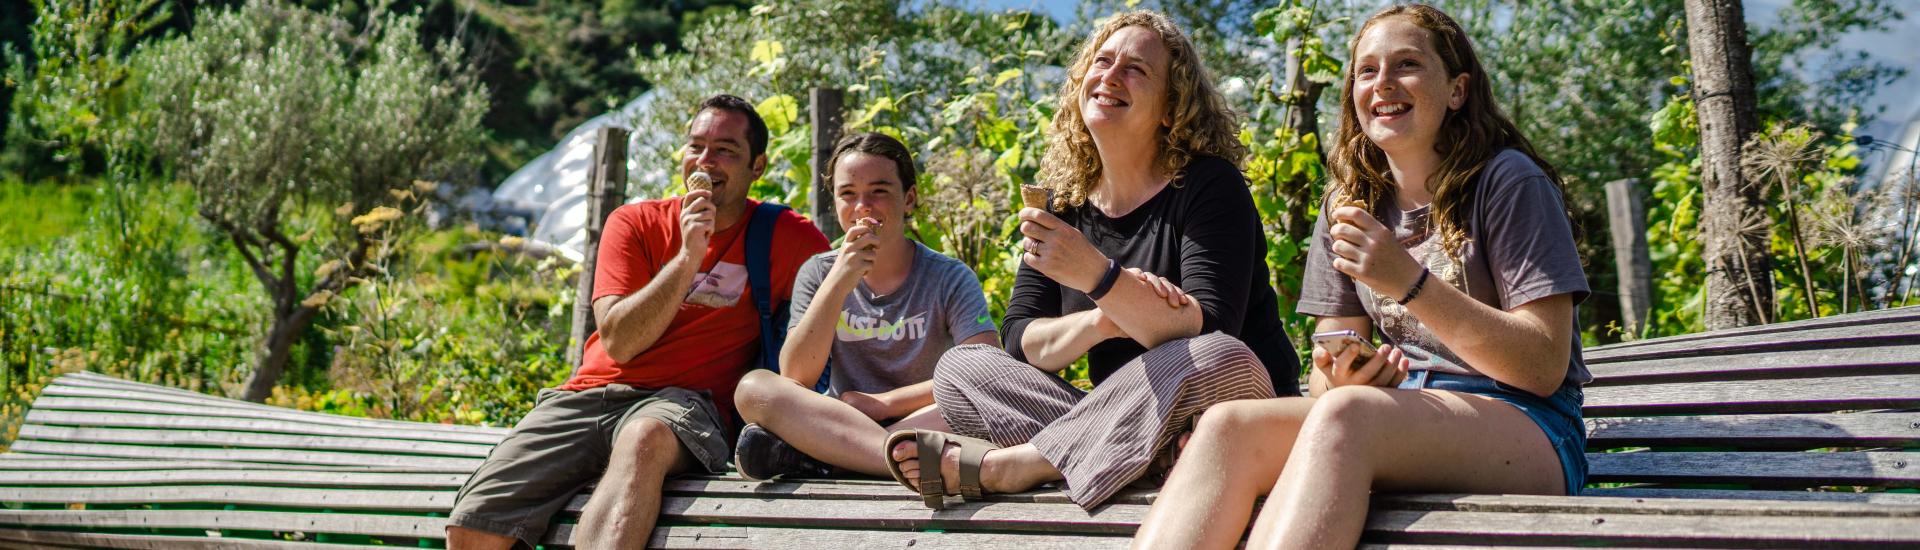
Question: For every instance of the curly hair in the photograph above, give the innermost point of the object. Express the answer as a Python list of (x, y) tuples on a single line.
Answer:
[(1469, 137), (1202, 122)]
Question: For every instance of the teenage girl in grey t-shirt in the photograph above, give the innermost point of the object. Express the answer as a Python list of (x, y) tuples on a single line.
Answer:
[(884, 309), (1446, 235)]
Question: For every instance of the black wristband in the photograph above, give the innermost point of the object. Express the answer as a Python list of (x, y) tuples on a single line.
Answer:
[(1106, 281), (1417, 283)]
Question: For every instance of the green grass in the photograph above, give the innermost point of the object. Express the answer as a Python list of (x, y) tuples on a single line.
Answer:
[(37, 214)]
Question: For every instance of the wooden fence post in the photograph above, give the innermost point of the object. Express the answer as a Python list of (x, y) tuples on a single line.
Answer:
[(825, 111), (606, 190), (1627, 217)]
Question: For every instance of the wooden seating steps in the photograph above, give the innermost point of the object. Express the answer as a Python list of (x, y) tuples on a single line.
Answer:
[(1790, 435)]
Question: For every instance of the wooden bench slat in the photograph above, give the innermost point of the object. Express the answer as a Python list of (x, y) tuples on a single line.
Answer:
[(995, 516), (328, 498), (1806, 363), (1500, 528), (1594, 504), (820, 490), (1875, 317), (86, 389), (1895, 391), (92, 419), (1912, 499), (376, 525), (1767, 469), (1902, 333), (398, 462), (1757, 431), (689, 537), (83, 463), (281, 478), (236, 440), (43, 539), (57, 403)]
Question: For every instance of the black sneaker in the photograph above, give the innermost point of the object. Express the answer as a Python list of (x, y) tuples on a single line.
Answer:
[(762, 456)]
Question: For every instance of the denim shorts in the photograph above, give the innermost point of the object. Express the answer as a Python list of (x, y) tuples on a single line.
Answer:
[(1557, 415)]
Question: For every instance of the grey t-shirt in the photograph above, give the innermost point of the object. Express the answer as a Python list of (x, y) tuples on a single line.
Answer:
[(886, 342), (1520, 249)]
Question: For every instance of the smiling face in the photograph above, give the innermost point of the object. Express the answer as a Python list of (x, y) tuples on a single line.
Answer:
[(1124, 94), (717, 144), (866, 185), (1401, 90)]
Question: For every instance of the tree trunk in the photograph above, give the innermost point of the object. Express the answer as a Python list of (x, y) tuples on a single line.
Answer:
[(273, 359), (1734, 220), (1303, 119)]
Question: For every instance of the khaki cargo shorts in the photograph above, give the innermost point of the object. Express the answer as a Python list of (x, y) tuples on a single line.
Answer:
[(562, 446)]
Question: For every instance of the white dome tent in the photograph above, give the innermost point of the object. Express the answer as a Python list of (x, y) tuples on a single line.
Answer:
[(552, 189)]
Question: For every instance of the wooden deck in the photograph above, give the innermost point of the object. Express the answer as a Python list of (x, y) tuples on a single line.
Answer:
[(1792, 435)]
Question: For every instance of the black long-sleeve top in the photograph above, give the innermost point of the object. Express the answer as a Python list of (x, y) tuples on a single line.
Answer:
[(1203, 233)]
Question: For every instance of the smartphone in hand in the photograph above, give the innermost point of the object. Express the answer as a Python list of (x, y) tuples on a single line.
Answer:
[(1336, 341)]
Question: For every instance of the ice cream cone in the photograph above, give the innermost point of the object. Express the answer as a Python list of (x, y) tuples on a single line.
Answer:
[(699, 181), (1033, 196)]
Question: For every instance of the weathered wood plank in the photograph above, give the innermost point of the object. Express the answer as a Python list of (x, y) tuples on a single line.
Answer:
[(1907, 499), (237, 440), (1585, 504), (1860, 335), (1899, 391), (776, 538), (1496, 528), (438, 501), (284, 478), (819, 491), (400, 462), (868, 514), (49, 539), (361, 524), (56, 404), (87, 463), (1763, 469), (1875, 317), (1806, 363), (193, 422), (101, 387), (1757, 431)]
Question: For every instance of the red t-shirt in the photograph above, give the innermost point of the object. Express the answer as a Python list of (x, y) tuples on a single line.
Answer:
[(715, 335)]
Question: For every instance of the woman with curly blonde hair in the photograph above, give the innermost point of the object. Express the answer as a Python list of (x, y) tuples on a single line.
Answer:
[(1148, 261), (1445, 234)]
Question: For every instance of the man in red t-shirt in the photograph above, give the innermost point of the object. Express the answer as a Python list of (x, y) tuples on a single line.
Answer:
[(678, 328)]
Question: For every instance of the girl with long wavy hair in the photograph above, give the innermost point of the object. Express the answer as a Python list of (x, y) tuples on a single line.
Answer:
[(1148, 261), (1447, 235)]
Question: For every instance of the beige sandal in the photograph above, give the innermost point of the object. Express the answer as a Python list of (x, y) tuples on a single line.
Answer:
[(932, 486)]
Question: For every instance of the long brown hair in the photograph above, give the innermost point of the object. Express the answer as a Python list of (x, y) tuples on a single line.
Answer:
[(1469, 136), (1203, 124)]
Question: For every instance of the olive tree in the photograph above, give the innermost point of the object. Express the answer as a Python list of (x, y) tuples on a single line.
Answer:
[(271, 111)]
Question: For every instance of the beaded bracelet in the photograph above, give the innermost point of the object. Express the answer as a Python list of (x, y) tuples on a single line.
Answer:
[(1415, 291)]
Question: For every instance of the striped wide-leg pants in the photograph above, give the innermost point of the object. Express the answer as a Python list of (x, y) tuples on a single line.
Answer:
[(1107, 438)]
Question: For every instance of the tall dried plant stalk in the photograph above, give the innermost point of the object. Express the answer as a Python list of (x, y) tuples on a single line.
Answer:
[(1780, 153), (1841, 219)]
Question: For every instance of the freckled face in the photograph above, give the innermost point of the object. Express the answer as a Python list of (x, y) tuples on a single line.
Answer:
[(1401, 91)]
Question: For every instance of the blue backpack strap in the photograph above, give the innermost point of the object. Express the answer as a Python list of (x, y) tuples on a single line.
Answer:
[(773, 316), (760, 278)]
